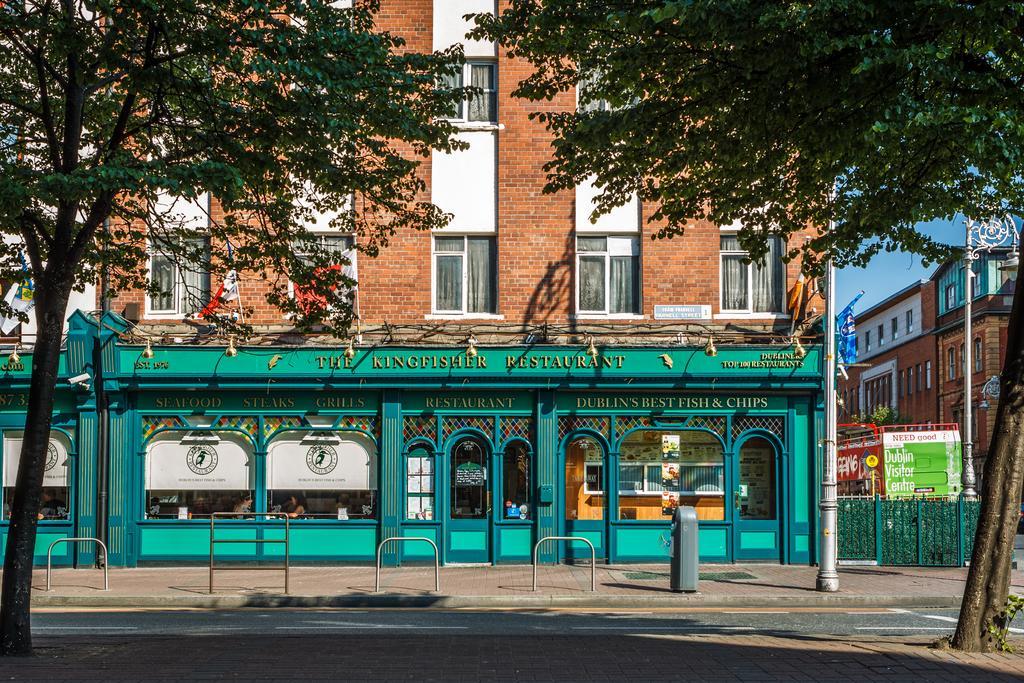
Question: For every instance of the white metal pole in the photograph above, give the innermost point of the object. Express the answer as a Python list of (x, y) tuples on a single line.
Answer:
[(828, 577), (967, 477)]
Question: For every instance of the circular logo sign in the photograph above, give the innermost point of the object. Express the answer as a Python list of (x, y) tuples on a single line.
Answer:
[(321, 459), (871, 461), (51, 456), (201, 459)]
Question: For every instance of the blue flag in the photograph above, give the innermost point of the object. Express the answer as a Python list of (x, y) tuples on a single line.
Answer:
[(846, 333)]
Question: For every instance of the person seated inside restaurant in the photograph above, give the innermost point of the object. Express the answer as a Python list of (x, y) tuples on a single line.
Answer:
[(293, 506), (244, 503), (51, 506)]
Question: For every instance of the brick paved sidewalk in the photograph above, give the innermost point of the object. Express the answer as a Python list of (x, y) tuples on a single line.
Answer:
[(513, 659), (494, 586)]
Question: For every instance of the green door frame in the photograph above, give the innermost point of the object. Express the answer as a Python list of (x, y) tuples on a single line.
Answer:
[(757, 530)]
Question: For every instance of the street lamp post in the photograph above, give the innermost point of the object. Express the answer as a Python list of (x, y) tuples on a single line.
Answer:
[(982, 236)]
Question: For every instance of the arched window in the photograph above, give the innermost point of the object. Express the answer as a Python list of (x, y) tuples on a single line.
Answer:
[(470, 498), (55, 503), (196, 474), (323, 474), (516, 482), (661, 470), (419, 484), (584, 480)]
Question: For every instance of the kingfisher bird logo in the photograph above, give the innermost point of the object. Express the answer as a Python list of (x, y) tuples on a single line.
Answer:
[(51, 456), (321, 459), (202, 459)]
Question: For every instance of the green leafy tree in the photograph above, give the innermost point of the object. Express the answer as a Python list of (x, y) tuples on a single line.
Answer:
[(865, 116), (110, 109)]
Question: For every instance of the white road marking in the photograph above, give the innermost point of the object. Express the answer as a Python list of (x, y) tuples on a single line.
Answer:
[(632, 629), (85, 628), (373, 627), (901, 628), (954, 620)]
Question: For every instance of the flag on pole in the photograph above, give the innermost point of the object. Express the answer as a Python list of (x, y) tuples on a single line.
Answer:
[(20, 297), (228, 290), (309, 301), (846, 333)]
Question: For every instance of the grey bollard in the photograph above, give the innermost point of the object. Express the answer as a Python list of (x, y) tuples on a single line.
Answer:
[(684, 570)]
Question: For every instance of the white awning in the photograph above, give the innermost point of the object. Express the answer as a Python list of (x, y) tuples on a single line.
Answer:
[(345, 463), (56, 472), (173, 465)]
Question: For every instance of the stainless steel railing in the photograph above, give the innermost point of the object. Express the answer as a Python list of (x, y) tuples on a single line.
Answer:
[(593, 557), (396, 539), (88, 539), (269, 515)]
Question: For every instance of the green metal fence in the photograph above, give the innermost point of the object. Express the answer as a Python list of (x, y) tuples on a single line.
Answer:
[(919, 531)]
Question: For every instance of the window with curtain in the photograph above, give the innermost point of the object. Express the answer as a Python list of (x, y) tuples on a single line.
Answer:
[(55, 500), (323, 474), (182, 280), (755, 287), (608, 275), (482, 105), (465, 275)]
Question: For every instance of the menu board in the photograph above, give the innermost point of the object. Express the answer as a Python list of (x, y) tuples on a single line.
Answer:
[(756, 483), (470, 474)]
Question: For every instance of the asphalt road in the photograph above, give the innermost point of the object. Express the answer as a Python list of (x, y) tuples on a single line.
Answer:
[(509, 623), (509, 646)]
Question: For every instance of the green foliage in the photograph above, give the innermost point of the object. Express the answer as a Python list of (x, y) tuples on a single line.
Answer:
[(880, 416), (873, 116), (279, 110), (999, 628)]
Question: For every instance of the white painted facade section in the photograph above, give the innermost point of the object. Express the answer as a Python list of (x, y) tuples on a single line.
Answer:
[(450, 28), (184, 213), (464, 183), (625, 218), (884, 318)]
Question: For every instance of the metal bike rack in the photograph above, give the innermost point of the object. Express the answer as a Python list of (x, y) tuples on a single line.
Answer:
[(89, 539), (268, 515), (593, 557), (390, 539)]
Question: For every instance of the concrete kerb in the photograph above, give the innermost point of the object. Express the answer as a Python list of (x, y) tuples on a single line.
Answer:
[(427, 601)]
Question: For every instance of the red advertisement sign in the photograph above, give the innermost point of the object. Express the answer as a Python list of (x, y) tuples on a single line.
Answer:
[(858, 459)]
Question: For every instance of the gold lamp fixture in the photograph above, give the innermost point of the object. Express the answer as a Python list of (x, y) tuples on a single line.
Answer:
[(710, 350), (148, 351), (591, 348), (350, 350), (798, 349), (231, 351), (471, 347), (14, 358)]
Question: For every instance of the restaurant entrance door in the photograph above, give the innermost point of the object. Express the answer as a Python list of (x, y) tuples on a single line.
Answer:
[(468, 513)]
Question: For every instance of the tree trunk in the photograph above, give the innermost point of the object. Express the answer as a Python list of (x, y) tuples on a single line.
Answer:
[(15, 625), (988, 581)]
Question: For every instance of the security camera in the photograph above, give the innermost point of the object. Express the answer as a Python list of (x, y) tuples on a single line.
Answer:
[(81, 380)]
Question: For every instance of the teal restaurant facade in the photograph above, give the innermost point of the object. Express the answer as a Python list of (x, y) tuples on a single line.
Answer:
[(483, 451)]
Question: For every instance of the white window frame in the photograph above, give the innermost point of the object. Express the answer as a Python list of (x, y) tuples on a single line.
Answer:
[(465, 77), (910, 321), (950, 296), (464, 255), (633, 251), (321, 235), (586, 481), (179, 281), (894, 325), (748, 311)]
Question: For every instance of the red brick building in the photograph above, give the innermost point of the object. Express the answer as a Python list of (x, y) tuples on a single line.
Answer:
[(912, 348)]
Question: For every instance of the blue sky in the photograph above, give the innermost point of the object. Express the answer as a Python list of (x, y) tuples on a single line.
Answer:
[(890, 272)]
